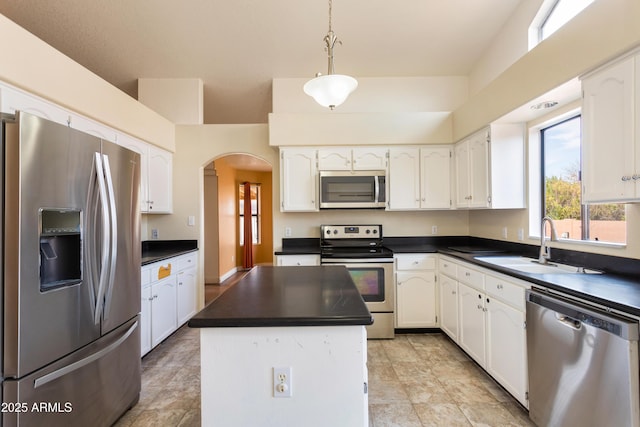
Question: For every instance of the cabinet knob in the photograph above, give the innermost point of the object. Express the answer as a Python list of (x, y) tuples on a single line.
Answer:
[(500, 286), (635, 177), (453, 292), (626, 178), (467, 274)]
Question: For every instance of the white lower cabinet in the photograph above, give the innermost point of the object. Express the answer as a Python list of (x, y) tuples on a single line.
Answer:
[(187, 292), (416, 291), (491, 327), (145, 320), (448, 298), (472, 324), (163, 310), (505, 330), (169, 298)]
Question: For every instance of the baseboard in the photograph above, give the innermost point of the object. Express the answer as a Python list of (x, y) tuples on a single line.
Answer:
[(228, 274)]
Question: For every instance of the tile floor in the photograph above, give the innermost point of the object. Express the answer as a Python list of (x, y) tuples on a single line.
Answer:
[(414, 380)]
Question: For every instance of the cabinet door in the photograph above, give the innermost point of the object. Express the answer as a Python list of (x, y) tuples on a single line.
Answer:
[(463, 177), (608, 134), (298, 180), (187, 298), (404, 178), (163, 310), (142, 149), (479, 165), (416, 299), (145, 320), (369, 158), (435, 178), (472, 325), (334, 159), (507, 348), (160, 181), (449, 306)]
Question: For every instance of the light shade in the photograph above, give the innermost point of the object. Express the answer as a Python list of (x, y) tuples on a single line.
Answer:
[(330, 90)]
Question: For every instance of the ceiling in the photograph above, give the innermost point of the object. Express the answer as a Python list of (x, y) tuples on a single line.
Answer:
[(237, 47)]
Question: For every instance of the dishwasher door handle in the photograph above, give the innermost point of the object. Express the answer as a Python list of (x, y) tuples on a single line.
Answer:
[(569, 322)]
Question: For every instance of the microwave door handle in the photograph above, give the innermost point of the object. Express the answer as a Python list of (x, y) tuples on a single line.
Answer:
[(377, 188)]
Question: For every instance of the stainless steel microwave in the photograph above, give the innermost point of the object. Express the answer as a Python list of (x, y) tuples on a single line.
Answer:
[(353, 190)]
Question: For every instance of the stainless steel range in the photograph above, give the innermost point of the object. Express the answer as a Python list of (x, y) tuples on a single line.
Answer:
[(360, 249)]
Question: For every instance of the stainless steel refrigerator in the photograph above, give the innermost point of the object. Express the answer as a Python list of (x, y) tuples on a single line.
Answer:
[(71, 276)]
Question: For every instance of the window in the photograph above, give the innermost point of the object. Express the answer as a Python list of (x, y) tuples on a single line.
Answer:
[(561, 189), (255, 213), (552, 15)]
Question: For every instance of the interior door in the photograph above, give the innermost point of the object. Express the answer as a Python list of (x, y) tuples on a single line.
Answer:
[(48, 298)]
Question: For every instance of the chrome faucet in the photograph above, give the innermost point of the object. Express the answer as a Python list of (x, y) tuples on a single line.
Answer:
[(545, 250)]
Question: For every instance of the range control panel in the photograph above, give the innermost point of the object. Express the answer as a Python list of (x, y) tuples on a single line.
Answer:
[(351, 231)]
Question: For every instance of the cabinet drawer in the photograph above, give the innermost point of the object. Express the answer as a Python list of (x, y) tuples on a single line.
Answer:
[(161, 270), (471, 277), (186, 261), (416, 262), (447, 267), (508, 292)]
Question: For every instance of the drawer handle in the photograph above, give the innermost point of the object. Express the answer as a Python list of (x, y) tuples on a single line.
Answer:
[(500, 286), (467, 274)]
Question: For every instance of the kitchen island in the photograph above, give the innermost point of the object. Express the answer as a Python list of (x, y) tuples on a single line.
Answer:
[(285, 346)]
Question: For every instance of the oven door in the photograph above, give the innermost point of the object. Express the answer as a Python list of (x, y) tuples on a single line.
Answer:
[(374, 280)]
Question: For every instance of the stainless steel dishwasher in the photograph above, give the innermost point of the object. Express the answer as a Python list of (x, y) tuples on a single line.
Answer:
[(583, 364)]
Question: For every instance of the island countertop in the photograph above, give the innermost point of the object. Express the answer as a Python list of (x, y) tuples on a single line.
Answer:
[(288, 296)]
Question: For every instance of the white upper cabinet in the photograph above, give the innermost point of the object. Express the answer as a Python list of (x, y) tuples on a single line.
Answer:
[(160, 176), (611, 133), (404, 178), (435, 177), (352, 158), (489, 168), (298, 179), (419, 177), (156, 176)]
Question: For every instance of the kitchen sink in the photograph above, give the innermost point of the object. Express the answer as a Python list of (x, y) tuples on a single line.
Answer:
[(531, 265)]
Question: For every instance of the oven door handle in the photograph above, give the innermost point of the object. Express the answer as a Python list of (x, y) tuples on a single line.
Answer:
[(357, 261)]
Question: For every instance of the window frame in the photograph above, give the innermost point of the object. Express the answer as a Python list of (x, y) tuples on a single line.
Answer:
[(257, 236), (537, 180)]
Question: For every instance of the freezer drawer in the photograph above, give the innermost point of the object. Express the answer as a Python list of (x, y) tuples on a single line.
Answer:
[(91, 387)]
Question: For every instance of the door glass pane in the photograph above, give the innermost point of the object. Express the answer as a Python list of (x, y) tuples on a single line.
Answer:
[(370, 282)]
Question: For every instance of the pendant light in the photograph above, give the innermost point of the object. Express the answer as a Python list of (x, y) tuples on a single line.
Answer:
[(331, 89)]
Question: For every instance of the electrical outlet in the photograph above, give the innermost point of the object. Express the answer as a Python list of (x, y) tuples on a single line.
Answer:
[(287, 232), (154, 233), (520, 234), (434, 229), (282, 382), (191, 220), (505, 232)]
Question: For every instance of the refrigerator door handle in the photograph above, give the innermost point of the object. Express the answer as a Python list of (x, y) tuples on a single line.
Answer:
[(83, 362), (106, 238), (113, 220), (91, 264)]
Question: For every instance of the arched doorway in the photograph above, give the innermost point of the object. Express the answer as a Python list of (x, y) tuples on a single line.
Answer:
[(223, 246)]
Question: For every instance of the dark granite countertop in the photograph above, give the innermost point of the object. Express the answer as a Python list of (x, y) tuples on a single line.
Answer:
[(617, 288), (158, 250), (288, 296), (300, 246)]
